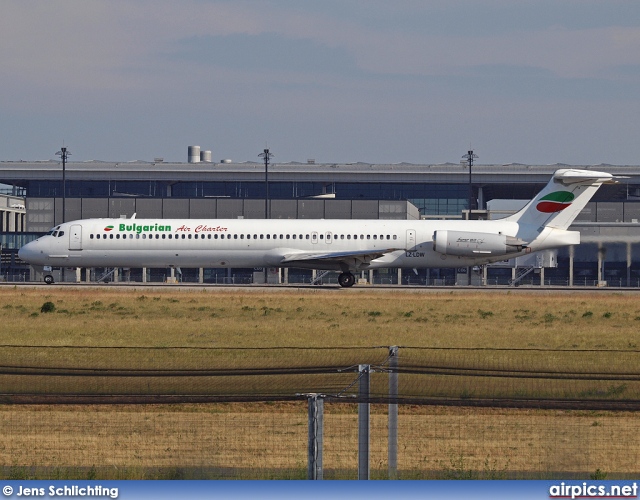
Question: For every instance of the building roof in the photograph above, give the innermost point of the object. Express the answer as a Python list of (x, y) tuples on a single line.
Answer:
[(13, 172)]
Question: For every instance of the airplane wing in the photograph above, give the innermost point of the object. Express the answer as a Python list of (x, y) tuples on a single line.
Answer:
[(354, 259)]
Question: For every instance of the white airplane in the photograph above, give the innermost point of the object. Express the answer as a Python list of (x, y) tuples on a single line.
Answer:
[(348, 246)]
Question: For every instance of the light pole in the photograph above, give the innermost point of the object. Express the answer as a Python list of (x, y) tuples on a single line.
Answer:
[(470, 157), (63, 154), (267, 156)]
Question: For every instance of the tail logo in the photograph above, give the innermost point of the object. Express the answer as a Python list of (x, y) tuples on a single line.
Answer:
[(108, 228), (555, 202)]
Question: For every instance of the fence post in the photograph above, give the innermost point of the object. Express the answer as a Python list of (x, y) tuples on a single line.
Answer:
[(393, 412), (363, 422), (315, 441)]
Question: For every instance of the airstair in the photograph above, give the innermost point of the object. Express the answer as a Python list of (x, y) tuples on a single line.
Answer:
[(108, 272), (318, 279), (521, 273)]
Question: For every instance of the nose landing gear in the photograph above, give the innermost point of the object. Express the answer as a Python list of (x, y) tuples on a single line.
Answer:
[(48, 279)]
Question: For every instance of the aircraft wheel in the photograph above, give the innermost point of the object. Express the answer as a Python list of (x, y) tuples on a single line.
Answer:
[(346, 280), (48, 279)]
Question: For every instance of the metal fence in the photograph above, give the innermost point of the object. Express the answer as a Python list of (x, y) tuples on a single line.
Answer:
[(271, 441), (80, 412)]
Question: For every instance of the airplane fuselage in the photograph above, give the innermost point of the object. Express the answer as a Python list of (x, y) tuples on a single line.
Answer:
[(342, 245), (243, 243)]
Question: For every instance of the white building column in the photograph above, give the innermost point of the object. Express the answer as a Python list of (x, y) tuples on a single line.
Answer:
[(572, 252)]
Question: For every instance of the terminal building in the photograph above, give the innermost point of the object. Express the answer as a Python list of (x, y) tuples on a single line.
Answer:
[(36, 193)]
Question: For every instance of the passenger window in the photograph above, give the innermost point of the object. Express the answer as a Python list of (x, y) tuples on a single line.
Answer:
[(91, 236), (294, 236), (395, 237)]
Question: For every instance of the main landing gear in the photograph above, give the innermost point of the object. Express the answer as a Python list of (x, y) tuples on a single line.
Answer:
[(346, 280)]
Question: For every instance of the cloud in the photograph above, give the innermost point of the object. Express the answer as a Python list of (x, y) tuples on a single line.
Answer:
[(268, 51)]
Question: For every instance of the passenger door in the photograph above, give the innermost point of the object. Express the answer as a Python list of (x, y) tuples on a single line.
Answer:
[(411, 239), (75, 237)]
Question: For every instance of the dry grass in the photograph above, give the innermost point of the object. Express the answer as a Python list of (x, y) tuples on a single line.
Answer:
[(241, 440), (442, 442), (221, 318)]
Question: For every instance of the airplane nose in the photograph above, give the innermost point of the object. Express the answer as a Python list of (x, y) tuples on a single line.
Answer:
[(28, 252), (23, 252)]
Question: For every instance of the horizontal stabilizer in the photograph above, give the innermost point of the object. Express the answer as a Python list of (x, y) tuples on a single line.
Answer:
[(568, 176)]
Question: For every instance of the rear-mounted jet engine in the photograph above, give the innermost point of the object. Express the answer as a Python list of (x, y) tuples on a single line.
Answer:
[(467, 244)]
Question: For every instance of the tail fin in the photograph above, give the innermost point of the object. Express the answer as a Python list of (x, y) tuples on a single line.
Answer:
[(562, 199)]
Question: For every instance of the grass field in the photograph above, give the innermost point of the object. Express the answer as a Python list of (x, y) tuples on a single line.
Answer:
[(220, 318), (270, 441), (593, 332)]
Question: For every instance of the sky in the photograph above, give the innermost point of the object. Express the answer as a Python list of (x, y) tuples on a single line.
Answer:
[(376, 81)]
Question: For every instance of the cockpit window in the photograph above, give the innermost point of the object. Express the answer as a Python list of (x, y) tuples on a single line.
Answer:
[(60, 233)]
